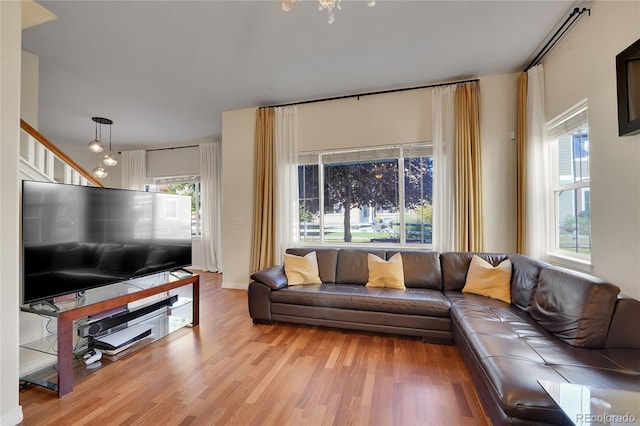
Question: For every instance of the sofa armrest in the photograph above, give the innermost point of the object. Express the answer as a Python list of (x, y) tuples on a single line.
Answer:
[(272, 277)]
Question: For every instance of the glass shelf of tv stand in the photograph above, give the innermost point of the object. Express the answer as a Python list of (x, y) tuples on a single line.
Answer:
[(162, 325), (49, 344)]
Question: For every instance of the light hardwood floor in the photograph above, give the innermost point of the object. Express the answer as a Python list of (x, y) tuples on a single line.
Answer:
[(228, 371)]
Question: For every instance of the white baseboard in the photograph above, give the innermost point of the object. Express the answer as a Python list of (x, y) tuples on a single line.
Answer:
[(12, 417), (235, 286)]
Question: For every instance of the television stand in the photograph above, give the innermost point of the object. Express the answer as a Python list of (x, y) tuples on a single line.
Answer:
[(61, 376), (44, 305), (181, 273)]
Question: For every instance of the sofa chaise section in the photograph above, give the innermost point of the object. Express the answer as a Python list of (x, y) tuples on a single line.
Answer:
[(508, 351)]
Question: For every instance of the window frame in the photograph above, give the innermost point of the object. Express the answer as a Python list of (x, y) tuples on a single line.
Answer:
[(566, 123), (427, 147)]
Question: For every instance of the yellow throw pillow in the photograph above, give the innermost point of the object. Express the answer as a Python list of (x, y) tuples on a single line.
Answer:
[(486, 280), (387, 273), (302, 270)]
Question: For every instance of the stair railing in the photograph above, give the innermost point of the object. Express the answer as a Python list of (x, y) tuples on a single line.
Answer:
[(41, 157)]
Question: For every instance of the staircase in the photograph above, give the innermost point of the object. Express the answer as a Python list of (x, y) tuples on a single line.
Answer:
[(41, 160)]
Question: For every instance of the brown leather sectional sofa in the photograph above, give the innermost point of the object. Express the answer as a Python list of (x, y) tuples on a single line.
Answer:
[(560, 325)]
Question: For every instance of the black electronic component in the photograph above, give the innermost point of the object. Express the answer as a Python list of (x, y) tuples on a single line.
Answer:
[(96, 327)]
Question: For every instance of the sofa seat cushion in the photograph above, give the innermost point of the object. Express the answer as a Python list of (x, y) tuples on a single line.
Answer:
[(479, 314), (412, 301), (627, 359), (599, 377)]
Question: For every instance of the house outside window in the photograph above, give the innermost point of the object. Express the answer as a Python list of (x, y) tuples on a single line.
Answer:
[(181, 185), (367, 196), (570, 200)]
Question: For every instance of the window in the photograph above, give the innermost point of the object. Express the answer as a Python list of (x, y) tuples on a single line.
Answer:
[(570, 190), (182, 185), (170, 209), (373, 195)]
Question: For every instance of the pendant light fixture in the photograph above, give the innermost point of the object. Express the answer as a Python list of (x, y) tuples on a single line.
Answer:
[(329, 5), (96, 146)]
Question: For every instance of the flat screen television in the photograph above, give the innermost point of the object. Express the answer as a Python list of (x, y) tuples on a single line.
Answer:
[(78, 237), (628, 82)]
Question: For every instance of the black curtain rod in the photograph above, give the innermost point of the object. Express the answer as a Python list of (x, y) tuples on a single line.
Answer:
[(359, 95), (566, 25), (170, 148)]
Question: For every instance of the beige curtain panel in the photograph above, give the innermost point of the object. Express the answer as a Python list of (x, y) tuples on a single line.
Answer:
[(521, 210), (468, 189), (263, 230)]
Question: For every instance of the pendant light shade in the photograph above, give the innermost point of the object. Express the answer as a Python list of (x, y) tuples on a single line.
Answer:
[(95, 146), (110, 160), (99, 172)]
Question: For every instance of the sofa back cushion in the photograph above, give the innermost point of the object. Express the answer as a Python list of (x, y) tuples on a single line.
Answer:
[(576, 308), (623, 331), (421, 268), (524, 279), (456, 264), (353, 265), (327, 261)]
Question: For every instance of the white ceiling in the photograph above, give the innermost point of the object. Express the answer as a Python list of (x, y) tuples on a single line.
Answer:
[(164, 71)]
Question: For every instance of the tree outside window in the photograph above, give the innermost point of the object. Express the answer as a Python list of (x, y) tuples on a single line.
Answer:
[(361, 196)]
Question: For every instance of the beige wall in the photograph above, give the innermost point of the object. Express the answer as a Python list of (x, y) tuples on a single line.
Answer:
[(237, 195), (10, 63), (394, 118), (583, 66), (30, 74), (401, 117), (174, 162), (499, 153)]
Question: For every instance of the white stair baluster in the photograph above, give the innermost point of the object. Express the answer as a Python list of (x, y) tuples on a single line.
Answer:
[(67, 173), (31, 151), (40, 158), (50, 164)]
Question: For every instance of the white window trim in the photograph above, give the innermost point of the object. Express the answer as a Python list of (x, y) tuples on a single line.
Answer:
[(568, 121)]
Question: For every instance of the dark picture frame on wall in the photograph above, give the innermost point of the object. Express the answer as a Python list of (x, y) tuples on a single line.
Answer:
[(628, 79)]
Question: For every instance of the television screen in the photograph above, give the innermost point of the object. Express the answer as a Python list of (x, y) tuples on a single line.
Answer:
[(79, 237)]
